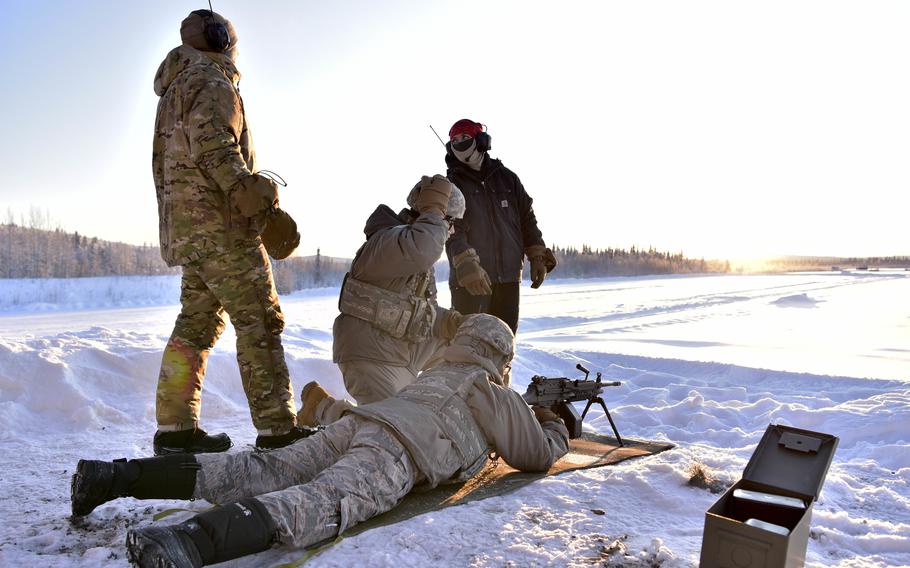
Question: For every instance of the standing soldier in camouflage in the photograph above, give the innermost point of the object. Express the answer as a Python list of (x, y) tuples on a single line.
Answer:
[(212, 208), (390, 327), (442, 427)]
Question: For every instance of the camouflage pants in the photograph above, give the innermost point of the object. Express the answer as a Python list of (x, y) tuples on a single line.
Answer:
[(369, 381), (240, 283), (317, 487)]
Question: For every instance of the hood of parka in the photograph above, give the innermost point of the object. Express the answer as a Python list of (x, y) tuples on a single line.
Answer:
[(184, 57), (192, 31), (382, 218)]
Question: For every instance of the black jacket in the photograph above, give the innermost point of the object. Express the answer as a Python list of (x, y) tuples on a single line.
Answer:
[(499, 221)]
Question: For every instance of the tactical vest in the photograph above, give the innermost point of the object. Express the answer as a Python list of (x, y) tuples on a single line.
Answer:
[(407, 315), (430, 412)]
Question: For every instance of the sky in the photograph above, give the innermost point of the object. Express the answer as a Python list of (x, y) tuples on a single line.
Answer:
[(719, 129)]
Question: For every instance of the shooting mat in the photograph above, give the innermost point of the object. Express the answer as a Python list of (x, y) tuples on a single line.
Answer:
[(497, 478)]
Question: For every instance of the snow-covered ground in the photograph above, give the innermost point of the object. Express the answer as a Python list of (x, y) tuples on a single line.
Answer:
[(706, 362)]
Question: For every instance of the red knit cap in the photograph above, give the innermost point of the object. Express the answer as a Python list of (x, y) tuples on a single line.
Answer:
[(465, 126)]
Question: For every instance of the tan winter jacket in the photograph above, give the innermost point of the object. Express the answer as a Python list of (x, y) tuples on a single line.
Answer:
[(201, 149), (394, 256), (453, 415)]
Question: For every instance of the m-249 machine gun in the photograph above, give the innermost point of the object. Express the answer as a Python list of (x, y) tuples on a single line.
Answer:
[(559, 393)]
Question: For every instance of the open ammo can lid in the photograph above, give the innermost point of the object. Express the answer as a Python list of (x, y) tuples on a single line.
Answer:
[(792, 459)]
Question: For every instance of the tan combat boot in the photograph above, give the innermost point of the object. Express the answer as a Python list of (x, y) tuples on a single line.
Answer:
[(310, 397)]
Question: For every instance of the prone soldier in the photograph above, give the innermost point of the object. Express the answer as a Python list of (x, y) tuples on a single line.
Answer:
[(439, 428)]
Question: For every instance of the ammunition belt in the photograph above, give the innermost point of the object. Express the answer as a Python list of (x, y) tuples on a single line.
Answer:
[(401, 315)]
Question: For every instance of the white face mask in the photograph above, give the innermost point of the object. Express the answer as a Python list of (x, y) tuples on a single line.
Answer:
[(470, 157)]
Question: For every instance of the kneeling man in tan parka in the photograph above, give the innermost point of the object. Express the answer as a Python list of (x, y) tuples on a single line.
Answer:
[(390, 327), (439, 428)]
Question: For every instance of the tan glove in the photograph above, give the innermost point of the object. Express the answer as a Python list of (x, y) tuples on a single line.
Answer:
[(253, 195), (470, 275), (434, 195), (450, 323), (544, 414), (280, 235), (542, 263)]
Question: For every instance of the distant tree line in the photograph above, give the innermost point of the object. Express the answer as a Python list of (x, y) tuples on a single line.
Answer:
[(36, 251), (27, 252), (299, 272), (790, 263), (31, 252), (589, 262)]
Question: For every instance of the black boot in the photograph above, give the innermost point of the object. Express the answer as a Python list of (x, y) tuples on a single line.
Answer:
[(282, 440), (97, 482), (162, 547), (222, 534), (193, 441)]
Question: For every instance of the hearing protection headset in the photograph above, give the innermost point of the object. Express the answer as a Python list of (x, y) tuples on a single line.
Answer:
[(484, 140), (216, 34)]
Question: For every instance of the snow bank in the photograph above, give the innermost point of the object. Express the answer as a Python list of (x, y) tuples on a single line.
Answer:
[(69, 294)]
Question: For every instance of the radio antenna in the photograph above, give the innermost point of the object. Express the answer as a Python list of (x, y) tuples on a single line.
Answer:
[(437, 135)]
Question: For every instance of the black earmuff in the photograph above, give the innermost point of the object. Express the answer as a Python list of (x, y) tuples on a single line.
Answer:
[(216, 34), (484, 141)]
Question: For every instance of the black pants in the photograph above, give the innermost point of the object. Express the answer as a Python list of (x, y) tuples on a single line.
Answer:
[(503, 303)]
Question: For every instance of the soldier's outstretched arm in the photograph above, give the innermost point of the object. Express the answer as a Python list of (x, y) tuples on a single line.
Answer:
[(403, 250), (509, 424)]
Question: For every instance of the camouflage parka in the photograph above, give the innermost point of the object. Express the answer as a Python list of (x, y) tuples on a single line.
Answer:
[(201, 150)]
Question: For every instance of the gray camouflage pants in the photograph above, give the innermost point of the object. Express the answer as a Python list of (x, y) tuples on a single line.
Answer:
[(317, 487)]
